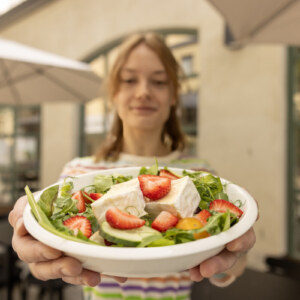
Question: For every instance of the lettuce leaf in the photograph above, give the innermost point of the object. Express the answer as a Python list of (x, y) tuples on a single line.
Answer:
[(47, 199)]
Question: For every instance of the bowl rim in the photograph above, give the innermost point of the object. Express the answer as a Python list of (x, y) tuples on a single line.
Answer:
[(137, 254)]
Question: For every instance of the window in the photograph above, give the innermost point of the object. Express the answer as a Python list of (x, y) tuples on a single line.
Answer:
[(187, 64), (294, 153), (19, 151)]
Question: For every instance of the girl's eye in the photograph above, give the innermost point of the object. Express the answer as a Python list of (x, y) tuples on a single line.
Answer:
[(129, 80), (160, 82)]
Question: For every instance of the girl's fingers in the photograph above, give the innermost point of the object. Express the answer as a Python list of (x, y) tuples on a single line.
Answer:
[(86, 277), (218, 264), (120, 279), (32, 251), (243, 243), (58, 268), (17, 211), (28, 248), (195, 274)]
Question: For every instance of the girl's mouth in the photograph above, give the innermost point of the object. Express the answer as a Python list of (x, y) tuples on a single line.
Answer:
[(143, 109)]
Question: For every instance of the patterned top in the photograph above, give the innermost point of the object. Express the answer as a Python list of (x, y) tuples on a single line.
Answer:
[(174, 287)]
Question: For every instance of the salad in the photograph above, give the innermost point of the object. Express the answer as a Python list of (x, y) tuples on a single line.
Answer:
[(158, 208)]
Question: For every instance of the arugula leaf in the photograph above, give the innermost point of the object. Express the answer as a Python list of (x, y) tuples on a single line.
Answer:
[(88, 213), (215, 224), (63, 206), (121, 178), (209, 187), (179, 235), (148, 219), (47, 199), (221, 195), (153, 170)]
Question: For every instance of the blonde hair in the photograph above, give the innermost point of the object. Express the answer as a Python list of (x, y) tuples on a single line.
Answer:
[(172, 132)]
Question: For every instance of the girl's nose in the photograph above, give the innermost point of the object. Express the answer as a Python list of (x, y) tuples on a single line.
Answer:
[(142, 89)]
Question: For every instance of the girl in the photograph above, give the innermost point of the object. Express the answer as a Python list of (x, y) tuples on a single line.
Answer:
[(144, 90)]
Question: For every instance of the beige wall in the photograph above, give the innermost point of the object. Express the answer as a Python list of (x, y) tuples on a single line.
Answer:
[(242, 97), (59, 139), (242, 125)]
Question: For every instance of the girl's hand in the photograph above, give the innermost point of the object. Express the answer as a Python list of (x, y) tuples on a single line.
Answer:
[(231, 260), (45, 262)]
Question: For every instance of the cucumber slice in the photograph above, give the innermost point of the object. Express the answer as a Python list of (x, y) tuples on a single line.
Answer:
[(126, 237)]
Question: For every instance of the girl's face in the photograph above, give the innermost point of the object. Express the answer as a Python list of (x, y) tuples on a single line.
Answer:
[(144, 98)]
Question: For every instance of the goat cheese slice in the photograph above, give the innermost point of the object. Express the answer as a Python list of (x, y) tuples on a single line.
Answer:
[(181, 201), (126, 196)]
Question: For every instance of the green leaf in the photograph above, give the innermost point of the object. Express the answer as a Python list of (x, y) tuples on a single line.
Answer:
[(161, 242), (63, 206), (103, 183), (66, 188), (173, 173), (217, 223), (47, 199), (148, 240), (121, 178), (179, 235), (46, 224), (153, 170), (37, 211), (221, 195), (88, 213), (209, 187)]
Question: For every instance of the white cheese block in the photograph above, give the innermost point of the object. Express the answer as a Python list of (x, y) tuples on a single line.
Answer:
[(126, 196), (181, 201)]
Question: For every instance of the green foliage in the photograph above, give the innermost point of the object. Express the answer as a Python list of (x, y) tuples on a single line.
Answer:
[(47, 199)]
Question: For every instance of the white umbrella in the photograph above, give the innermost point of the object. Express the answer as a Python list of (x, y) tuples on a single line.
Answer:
[(31, 76), (261, 21)]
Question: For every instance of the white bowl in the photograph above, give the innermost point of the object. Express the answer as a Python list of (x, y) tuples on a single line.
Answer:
[(145, 262)]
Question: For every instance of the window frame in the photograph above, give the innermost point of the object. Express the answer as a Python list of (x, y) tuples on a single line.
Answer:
[(292, 125), (13, 167)]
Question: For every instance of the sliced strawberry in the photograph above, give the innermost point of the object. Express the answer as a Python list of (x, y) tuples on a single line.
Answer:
[(168, 174), (80, 201), (154, 187), (164, 221), (202, 216), (119, 219), (93, 196), (222, 206), (79, 223)]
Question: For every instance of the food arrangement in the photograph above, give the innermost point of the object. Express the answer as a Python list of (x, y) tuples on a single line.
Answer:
[(157, 208)]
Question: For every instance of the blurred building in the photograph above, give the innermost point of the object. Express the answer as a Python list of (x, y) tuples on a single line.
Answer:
[(240, 107)]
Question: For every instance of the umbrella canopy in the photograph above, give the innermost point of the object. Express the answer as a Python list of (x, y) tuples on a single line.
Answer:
[(31, 76), (265, 21)]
